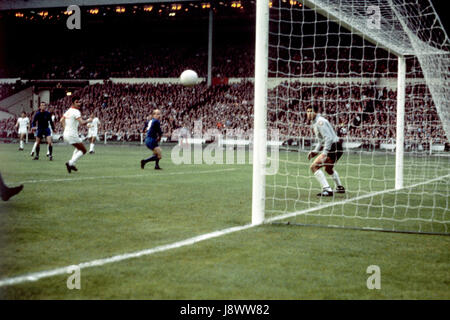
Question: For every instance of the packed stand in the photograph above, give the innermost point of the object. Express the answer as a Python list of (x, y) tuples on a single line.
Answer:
[(364, 113)]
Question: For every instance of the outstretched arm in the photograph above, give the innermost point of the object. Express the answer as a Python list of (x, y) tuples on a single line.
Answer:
[(83, 122)]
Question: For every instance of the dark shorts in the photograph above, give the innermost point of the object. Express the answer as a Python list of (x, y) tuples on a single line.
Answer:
[(151, 143), (40, 133), (336, 151)]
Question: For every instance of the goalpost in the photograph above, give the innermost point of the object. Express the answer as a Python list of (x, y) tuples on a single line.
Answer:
[(380, 72)]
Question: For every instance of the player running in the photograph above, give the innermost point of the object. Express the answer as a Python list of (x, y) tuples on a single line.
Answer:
[(44, 121), (93, 131), (154, 134), (332, 151), (23, 123), (51, 131), (183, 138), (70, 121)]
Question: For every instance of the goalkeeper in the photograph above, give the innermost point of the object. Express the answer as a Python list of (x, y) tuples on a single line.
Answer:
[(331, 152)]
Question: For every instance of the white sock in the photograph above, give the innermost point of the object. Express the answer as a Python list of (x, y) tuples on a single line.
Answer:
[(76, 155), (34, 147), (322, 180), (21, 144), (91, 147), (48, 151), (336, 179)]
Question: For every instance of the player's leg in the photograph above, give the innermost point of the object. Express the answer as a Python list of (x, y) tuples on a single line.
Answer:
[(92, 145), (333, 157), (158, 154), (320, 176), (22, 138), (329, 168), (38, 147), (153, 157), (50, 148), (7, 192), (80, 150), (33, 150), (152, 145)]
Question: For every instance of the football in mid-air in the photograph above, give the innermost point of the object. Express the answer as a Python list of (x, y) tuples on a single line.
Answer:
[(189, 78)]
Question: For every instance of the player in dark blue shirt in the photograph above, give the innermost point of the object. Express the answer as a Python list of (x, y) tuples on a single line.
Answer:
[(154, 134), (43, 119)]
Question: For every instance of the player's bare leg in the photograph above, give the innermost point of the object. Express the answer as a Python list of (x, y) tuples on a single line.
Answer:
[(92, 145), (33, 149), (157, 155), (79, 151), (38, 148), (21, 142), (50, 148), (315, 167), (329, 168)]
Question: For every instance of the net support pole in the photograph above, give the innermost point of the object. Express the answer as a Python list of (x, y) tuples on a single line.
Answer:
[(260, 111), (210, 40), (400, 134)]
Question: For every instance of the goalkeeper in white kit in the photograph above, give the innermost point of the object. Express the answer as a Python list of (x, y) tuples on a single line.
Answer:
[(331, 148)]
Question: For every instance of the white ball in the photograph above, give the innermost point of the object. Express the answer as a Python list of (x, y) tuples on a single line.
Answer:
[(189, 78)]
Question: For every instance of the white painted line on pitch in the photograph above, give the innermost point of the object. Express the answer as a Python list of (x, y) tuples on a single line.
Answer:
[(100, 262), (127, 176)]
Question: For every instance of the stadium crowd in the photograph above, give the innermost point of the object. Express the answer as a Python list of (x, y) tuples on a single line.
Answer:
[(359, 112), (7, 89)]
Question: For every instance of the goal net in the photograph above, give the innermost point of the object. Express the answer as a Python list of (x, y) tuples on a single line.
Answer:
[(379, 72)]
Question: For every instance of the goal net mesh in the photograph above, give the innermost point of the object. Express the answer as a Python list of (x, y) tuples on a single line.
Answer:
[(342, 55)]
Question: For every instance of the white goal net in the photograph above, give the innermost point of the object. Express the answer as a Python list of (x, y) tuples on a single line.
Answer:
[(379, 72)]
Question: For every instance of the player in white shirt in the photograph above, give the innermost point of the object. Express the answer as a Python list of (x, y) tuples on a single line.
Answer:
[(93, 131), (330, 149), (184, 134), (51, 132), (70, 121), (23, 123)]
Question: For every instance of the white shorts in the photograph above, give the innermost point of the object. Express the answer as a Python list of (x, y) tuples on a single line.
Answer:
[(92, 134), (23, 131), (72, 139)]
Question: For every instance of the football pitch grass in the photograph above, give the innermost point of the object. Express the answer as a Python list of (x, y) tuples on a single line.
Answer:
[(111, 207)]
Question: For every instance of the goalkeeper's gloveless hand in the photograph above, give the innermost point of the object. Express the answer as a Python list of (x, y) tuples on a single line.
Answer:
[(311, 155)]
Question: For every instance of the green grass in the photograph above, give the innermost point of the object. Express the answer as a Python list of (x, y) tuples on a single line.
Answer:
[(112, 207)]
